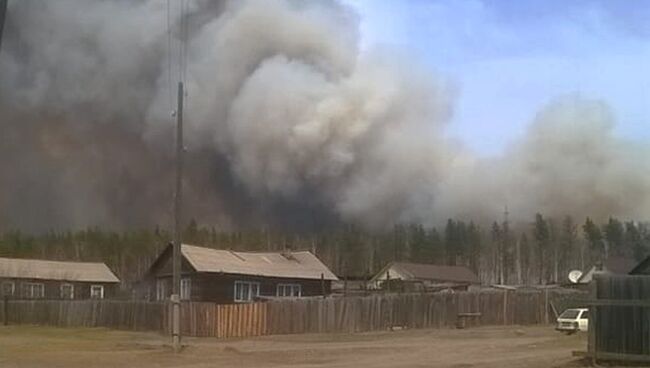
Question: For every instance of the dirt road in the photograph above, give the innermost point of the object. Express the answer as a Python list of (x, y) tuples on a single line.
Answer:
[(529, 347)]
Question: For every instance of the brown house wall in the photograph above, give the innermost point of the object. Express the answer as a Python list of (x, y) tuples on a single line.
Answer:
[(220, 288), (52, 288)]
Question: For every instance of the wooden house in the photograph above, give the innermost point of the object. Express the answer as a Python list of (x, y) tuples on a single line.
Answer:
[(425, 277), (40, 279), (225, 276)]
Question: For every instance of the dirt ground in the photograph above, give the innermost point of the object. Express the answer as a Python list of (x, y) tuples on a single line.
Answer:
[(529, 347)]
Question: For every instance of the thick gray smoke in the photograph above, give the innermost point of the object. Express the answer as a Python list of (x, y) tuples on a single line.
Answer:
[(286, 119)]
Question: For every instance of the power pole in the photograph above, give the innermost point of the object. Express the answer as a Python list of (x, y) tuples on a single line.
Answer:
[(176, 251), (3, 13)]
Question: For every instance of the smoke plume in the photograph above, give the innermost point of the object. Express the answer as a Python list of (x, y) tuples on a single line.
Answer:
[(288, 124)]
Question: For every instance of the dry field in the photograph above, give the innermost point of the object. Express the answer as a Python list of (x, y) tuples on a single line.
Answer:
[(529, 347)]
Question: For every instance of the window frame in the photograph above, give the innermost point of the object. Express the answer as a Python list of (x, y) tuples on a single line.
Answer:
[(186, 288), (161, 290), (245, 287), (13, 288), (64, 285), (32, 286), (101, 287), (295, 290)]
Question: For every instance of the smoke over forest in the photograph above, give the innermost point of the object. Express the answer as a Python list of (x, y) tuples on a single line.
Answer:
[(288, 124)]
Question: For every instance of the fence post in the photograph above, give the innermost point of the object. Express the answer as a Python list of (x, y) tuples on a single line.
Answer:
[(322, 285), (591, 344), (546, 306), (505, 307)]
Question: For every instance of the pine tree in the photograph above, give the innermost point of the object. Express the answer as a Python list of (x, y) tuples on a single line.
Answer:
[(614, 235), (594, 238), (542, 236), (496, 253), (451, 241), (568, 241), (474, 242)]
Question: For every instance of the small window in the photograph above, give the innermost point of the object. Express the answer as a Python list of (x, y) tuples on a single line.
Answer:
[(161, 292), (246, 291), (97, 291), (8, 288), (67, 291), (186, 288), (33, 290), (585, 315), (289, 290)]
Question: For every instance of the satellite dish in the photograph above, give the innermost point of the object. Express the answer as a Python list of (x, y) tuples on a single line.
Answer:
[(574, 276)]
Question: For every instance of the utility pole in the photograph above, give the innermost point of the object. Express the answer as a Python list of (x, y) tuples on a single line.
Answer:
[(3, 13), (176, 247)]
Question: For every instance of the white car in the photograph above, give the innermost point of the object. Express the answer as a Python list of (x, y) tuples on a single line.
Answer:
[(573, 320)]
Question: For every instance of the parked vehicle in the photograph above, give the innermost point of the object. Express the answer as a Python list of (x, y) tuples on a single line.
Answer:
[(573, 320)]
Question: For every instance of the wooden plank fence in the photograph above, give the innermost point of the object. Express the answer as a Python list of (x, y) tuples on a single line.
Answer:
[(295, 316), (125, 315), (619, 318)]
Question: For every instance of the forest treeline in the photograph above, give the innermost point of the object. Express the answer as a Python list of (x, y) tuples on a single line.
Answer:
[(542, 251)]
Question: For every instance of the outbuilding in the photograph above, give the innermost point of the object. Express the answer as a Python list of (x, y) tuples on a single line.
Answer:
[(425, 277), (41, 279)]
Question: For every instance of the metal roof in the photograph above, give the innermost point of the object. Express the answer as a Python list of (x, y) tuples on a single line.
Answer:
[(615, 265), (297, 265), (420, 271), (55, 270)]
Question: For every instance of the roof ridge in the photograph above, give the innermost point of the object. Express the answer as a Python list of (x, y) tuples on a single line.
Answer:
[(279, 252), (51, 260)]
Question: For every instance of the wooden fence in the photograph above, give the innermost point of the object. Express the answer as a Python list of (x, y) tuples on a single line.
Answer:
[(620, 318), (124, 315), (309, 315)]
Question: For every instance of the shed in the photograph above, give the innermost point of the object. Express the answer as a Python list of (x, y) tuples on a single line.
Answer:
[(433, 277), (226, 276), (43, 279)]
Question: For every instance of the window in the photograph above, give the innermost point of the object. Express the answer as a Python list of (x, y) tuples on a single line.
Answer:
[(290, 290), (97, 291), (246, 291), (8, 288), (67, 291), (161, 293), (186, 288), (33, 290), (585, 315)]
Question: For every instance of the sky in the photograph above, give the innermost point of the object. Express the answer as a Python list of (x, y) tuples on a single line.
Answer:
[(507, 59)]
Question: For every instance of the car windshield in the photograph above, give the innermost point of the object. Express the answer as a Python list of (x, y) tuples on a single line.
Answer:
[(570, 314)]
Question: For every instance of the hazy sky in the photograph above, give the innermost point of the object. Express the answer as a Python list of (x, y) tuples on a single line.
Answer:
[(508, 58)]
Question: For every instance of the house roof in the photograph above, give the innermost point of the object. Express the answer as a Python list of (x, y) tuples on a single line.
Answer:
[(613, 265), (642, 267), (55, 270), (619, 265), (419, 271), (296, 265)]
